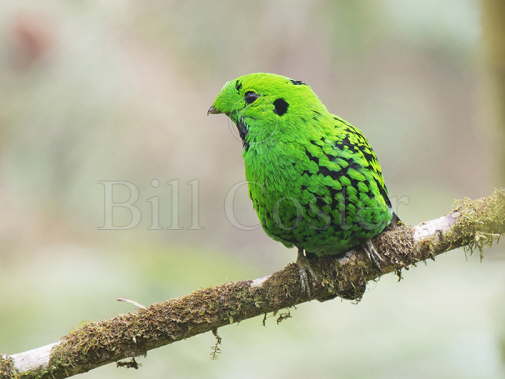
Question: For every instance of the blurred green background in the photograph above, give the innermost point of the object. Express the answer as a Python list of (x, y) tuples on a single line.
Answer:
[(118, 90)]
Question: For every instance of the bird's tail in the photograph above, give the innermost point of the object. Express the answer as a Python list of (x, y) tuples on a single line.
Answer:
[(395, 221)]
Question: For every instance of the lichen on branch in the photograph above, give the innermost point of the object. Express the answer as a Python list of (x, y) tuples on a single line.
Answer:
[(473, 224)]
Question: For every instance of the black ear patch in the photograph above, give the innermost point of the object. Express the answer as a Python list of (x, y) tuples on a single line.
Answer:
[(281, 106), (297, 82), (238, 85)]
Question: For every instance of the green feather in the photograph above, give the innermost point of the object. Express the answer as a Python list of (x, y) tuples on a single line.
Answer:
[(314, 180)]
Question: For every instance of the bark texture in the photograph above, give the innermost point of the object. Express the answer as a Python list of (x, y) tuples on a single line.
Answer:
[(473, 224)]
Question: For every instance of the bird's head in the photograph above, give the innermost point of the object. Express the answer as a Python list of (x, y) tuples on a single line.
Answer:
[(266, 103)]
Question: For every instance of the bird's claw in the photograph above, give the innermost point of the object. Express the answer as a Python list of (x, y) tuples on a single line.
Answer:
[(305, 269), (373, 254), (304, 280)]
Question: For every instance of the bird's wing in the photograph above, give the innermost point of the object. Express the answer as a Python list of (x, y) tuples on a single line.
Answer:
[(353, 137)]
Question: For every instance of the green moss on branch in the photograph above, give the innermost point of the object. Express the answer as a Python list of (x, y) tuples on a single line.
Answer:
[(133, 334), (6, 368)]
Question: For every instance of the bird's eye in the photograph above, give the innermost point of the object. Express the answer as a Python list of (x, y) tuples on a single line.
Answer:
[(250, 96)]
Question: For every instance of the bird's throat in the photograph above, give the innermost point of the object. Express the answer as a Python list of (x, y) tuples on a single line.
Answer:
[(242, 130)]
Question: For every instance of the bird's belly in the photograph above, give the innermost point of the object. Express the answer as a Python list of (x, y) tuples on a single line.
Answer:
[(308, 212)]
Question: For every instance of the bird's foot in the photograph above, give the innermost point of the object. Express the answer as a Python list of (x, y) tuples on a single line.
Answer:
[(305, 269), (372, 254)]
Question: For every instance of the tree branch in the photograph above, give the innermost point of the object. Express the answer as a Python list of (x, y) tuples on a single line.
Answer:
[(473, 224)]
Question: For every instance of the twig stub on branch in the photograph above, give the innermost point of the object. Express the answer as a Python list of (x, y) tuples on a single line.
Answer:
[(473, 223)]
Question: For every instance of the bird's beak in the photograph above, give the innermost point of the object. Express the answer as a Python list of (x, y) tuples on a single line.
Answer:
[(213, 110)]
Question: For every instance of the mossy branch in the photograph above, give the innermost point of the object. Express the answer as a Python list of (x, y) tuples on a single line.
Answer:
[(473, 224)]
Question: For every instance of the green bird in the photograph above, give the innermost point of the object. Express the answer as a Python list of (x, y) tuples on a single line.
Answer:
[(314, 180)]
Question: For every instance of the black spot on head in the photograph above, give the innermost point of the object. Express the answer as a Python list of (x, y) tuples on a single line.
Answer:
[(297, 82), (238, 85), (316, 115), (281, 106)]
